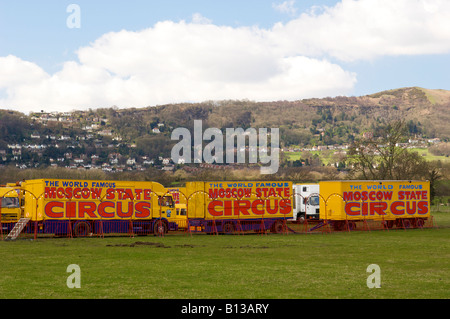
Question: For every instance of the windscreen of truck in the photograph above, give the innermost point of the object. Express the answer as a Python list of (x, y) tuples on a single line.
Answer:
[(10, 202), (166, 201), (313, 201)]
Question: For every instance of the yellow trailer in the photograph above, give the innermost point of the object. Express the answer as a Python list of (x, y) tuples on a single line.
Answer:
[(234, 206), (392, 202), (90, 206)]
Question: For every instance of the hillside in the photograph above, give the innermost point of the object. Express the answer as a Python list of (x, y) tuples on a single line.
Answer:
[(129, 137)]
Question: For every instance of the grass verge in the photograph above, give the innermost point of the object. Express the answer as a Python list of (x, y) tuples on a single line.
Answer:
[(413, 263)]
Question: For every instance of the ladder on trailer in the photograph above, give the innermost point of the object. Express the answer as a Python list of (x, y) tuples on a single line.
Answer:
[(18, 227)]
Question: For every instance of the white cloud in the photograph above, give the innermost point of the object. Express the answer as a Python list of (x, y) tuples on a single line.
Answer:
[(198, 18), (180, 61), (367, 29), (175, 62), (287, 7)]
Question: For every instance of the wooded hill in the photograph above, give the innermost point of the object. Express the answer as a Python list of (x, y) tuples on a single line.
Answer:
[(325, 121), (340, 119)]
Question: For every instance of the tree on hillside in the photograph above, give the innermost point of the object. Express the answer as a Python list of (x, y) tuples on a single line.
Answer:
[(383, 157)]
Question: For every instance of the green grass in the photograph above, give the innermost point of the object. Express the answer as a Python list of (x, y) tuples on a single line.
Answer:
[(413, 263), (428, 156), (327, 156)]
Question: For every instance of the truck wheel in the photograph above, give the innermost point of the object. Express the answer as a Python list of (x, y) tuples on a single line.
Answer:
[(278, 227), (389, 224), (406, 223), (300, 219), (351, 225), (420, 223), (160, 228), (228, 228), (338, 225), (81, 229)]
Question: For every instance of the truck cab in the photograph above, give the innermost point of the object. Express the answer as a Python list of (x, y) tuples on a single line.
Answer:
[(10, 205), (306, 202), (172, 211), (181, 216)]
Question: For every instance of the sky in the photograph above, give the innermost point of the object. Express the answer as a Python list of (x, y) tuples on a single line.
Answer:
[(58, 55)]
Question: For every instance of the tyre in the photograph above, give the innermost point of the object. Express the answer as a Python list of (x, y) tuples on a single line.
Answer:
[(82, 229), (338, 225), (159, 228), (228, 228), (389, 224), (351, 225), (278, 227), (420, 222)]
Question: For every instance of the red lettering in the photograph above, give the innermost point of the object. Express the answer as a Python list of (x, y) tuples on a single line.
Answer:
[(212, 208), (365, 209), (120, 212), (128, 194), (138, 194), (147, 194), (349, 209), (272, 192), (142, 210), (77, 193), (387, 195), (255, 209), (88, 208), (213, 193), (264, 190), (49, 209), (50, 192), (85, 193), (102, 209), (228, 207), (422, 207), (71, 209), (60, 193), (119, 192), (411, 207), (110, 193), (395, 210), (378, 208), (241, 206), (410, 195), (96, 193), (272, 209), (108, 209), (69, 193), (364, 196), (285, 206)]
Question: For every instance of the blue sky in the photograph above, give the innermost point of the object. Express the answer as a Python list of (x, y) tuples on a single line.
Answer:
[(138, 53)]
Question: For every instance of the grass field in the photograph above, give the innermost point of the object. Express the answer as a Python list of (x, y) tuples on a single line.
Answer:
[(327, 156), (413, 264)]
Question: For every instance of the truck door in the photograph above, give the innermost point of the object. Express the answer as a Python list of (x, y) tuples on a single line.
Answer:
[(10, 208), (167, 207), (312, 207)]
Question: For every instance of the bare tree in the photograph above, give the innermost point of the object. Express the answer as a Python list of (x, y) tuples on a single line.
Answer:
[(385, 157)]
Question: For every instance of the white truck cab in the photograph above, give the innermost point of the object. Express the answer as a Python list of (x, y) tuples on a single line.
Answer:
[(306, 202)]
